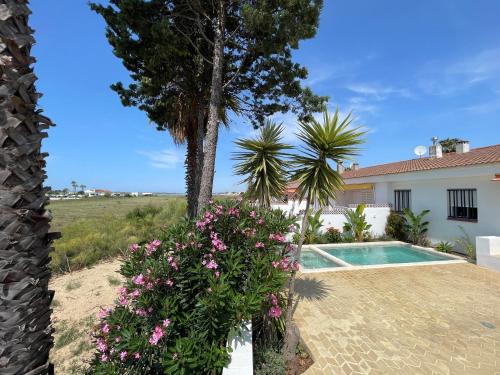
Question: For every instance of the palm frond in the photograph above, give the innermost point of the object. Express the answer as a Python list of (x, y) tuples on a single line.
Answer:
[(263, 160), (333, 141)]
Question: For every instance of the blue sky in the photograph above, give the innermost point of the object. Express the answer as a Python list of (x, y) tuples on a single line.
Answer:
[(407, 70)]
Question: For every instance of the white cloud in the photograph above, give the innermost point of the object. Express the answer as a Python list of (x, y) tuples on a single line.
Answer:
[(378, 92), (439, 78), (166, 159)]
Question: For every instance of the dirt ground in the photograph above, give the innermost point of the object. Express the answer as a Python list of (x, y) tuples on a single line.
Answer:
[(78, 296)]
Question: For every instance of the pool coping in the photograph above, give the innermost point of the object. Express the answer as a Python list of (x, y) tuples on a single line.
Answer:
[(344, 266)]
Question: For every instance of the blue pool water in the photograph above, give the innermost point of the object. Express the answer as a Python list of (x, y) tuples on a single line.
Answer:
[(383, 254), (311, 260)]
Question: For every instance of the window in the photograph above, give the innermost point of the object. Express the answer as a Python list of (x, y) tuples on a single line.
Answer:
[(402, 200), (462, 204)]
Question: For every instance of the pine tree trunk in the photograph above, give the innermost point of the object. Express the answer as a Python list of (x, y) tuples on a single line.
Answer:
[(191, 169), (25, 328), (207, 177), (200, 137), (291, 338)]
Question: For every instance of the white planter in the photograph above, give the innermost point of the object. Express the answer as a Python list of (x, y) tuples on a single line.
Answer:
[(242, 355)]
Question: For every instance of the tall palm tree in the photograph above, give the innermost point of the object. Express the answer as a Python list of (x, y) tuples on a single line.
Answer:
[(25, 328), (262, 161), (334, 140), (74, 185)]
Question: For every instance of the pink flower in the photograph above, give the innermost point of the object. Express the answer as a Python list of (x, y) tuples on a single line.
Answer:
[(212, 265), (217, 242), (137, 355), (133, 247), (141, 312), (135, 294), (277, 237), (295, 265), (169, 283), (274, 312), (259, 245), (101, 345), (253, 214), (105, 328), (275, 264), (273, 299), (102, 313), (149, 286), (209, 290), (219, 210), (217, 274), (172, 263), (118, 339), (104, 358), (233, 211), (260, 221), (152, 246), (175, 355), (123, 355), (156, 335), (139, 279), (166, 323)]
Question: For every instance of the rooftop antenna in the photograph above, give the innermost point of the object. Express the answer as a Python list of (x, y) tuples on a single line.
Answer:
[(434, 140), (420, 150)]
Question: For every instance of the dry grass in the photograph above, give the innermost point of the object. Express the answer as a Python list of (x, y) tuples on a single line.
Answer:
[(75, 313)]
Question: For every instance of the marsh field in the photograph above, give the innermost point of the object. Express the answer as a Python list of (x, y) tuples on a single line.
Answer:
[(96, 229)]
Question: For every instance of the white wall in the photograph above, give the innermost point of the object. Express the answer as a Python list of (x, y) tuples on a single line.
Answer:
[(376, 216)]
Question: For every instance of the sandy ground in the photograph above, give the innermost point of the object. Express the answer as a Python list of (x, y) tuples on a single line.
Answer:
[(78, 297)]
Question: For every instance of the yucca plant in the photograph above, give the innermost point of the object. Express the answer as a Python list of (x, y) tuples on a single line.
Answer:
[(416, 226), (263, 161), (334, 140), (356, 223)]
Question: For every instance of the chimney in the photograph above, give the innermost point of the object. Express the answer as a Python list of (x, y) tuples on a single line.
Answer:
[(355, 166), (462, 147), (436, 150), (340, 167)]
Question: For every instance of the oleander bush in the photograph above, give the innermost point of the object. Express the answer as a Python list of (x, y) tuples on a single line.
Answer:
[(186, 290)]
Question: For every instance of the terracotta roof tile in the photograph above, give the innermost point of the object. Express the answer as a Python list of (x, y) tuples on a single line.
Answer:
[(482, 155)]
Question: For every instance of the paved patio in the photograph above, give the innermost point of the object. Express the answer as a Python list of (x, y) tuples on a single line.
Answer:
[(414, 320)]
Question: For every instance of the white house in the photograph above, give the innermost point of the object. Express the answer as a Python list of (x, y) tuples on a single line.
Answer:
[(461, 188)]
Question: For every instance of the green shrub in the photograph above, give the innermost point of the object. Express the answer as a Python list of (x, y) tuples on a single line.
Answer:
[(333, 235), (356, 225), (186, 291), (395, 227), (143, 212), (416, 227), (467, 244), (271, 363), (444, 247)]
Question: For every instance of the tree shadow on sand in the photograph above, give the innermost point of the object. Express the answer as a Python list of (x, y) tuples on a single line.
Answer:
[(310, 289)]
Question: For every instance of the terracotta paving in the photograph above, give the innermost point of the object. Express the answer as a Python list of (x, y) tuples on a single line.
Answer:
[(415, 320)]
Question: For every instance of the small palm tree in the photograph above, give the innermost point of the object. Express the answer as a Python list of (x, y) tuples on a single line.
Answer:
[(74, 185), (334, 140), (416, 226), (262, 160), (356, 223)]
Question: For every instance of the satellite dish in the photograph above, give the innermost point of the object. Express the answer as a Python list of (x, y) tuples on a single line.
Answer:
[(420, 151)]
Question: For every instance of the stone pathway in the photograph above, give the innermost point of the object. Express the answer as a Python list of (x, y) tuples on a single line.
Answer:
[(414, 320)]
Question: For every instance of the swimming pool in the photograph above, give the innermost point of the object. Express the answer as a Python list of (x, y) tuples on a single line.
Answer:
[(313, 260), (371, 255)]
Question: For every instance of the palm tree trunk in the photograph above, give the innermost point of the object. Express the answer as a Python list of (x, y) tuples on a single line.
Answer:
[(25, 328), (207, 177), (291, 337)]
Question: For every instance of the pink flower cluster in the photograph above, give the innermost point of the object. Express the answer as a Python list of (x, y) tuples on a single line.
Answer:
[(171, 261), (133, 247), (159, 332), (207, 220), (217, 243), (102, 313), (143, 312), (124, 295), (286, 264), (275, 310), (259, 245), (233, 211), (209, 262), (152, 246), (278, 237)]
